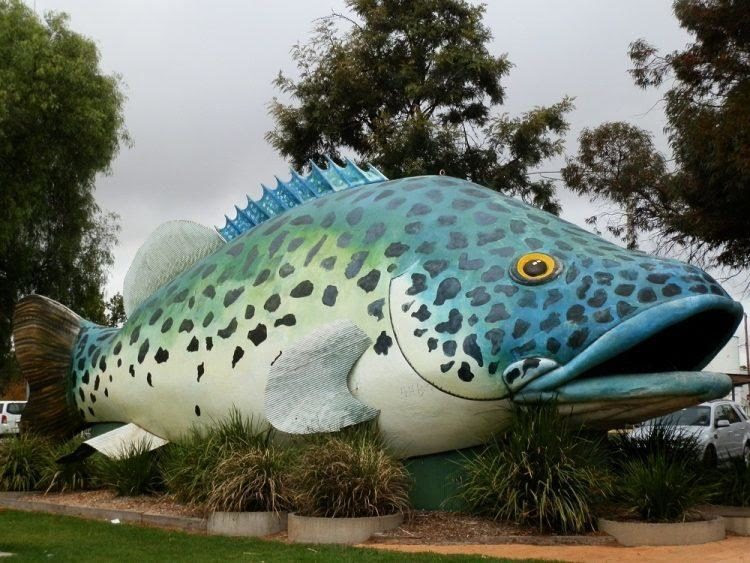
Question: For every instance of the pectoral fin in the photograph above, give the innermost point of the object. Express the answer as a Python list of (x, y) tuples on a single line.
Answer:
[(307, 389), (117, 443)]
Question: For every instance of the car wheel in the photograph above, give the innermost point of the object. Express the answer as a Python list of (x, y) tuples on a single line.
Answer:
[(709, 457), (746, 454)]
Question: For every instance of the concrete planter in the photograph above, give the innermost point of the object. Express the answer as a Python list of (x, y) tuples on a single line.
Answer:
[(737, 518), (309, 529), (248, 524), (678, 533)]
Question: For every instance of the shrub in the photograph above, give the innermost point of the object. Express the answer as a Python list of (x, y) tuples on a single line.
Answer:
[(542, 472), (668, 441), (733, 483), (136, 473), (658, 488), (348, 474), (71, 476), (22, 460), (251, 479)]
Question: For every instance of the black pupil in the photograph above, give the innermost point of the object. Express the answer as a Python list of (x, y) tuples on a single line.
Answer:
[(535, 268)]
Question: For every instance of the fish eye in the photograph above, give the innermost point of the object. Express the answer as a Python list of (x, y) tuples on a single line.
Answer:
[(535, 267)]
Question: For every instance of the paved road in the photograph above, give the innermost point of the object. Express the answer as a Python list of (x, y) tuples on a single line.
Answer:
[(734, 548)]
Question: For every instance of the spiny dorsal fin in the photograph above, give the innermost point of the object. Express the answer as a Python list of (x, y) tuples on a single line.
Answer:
[(299, 189), (167, 252)]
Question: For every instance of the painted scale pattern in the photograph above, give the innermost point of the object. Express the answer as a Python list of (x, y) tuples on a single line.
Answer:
[(429, 255)]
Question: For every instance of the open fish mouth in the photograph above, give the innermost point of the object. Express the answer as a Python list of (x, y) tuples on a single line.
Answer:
[(648, 365)]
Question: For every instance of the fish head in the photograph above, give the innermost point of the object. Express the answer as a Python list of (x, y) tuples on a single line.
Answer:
[(514, 302)]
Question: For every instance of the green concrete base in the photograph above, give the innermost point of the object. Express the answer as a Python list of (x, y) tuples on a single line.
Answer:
[(436, 479)]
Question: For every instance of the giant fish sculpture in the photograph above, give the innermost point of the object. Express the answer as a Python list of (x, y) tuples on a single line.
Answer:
[(430, 303)]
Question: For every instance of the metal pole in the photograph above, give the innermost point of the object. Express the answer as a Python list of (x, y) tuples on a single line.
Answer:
[(747, 356)]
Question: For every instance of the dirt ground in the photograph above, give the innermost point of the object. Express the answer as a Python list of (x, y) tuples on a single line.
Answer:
[(162, 504), (734, 548)]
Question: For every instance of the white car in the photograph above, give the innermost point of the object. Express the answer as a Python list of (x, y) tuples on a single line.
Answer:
[(721, 428), (10, 415)]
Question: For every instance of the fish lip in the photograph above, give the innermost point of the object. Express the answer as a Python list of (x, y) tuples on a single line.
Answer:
[(638, 330)]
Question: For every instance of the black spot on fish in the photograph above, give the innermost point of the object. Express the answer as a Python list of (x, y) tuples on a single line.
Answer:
[(449, 348), (471, 349), (209, 291), (562, 245), (354, 216), (208, 318), (191, 302), (413, 228), (507, 290), (492, 236), (670, 290), (232, 296), (495, 336), (117, 348), (578, 337), (272, 303), (447, 289), (328, 220), (447, 220), (369, 281), (604, 278), (209, 343), (328, 263), (286, 320), (698, 288), (419, 332), (419, 209), (394, 203), (330, 293), (625, 289), (435, 196), (303, 289), (447, 366), (161, 355), (512, 375), (553, 296), (584, 287), (131, 371), (464, 372), (603, 316), (533, 243), (453, 324), (142, 351), (262, 277), (91, 411), (518, 227), (201, 371), (553, 345), (576, 314), (481, 218), (462, 204), (527, 300), (355, 264), (382, 194), (93, 397), (431, 344), (422, 313), (646, 295), (286, 270), (276, 243), (571, 274), (193, 345), (417, 284), (229, 330), (519, 328), (426, 248), (344, 240), (598, 299), (396, 249), (166, 325), (493, 274), (237, 355), (155, 316), (375, 308), (479, 296), (249, 312), (103, 363), (236, 249), (294, 244), (552, 321), (207, 271), (314, 250), (148, 379), (135, 335), (383, 343), (119, 362), (197, 410), (302, 220), (435, 267), (97, 381), (465, 264), (258, 334), (497, 313), (458, 240), (472, 320), (624, 309)]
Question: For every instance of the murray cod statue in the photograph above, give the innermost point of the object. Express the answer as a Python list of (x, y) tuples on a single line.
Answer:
[(430, 304)]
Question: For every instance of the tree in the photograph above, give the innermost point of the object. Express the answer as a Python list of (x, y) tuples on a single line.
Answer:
[(61, 123), (707, 105), (116, 315), (412, 88)]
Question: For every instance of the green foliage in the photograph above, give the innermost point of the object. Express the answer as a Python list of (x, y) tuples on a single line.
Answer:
[(252, 479), (136, 473), (702, 202), (22, 461), (659, 489), (61, 123), (349, 474), (190, 465), (412, 88), (542, 473), (733, 483), (663, 440), (115, 310), (71, 476)]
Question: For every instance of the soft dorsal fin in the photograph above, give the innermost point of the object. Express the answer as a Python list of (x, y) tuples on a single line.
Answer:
[(167, 252), (299, 189)]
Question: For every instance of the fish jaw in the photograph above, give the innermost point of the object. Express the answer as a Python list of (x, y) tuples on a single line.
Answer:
[(646, 365)]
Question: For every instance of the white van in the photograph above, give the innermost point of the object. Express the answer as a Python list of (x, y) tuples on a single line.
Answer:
[(10, 415)]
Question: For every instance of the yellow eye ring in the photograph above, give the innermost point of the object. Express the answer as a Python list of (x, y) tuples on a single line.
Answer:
[(534, 268)]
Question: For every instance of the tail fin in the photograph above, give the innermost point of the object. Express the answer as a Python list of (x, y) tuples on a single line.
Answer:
[(44, 333)]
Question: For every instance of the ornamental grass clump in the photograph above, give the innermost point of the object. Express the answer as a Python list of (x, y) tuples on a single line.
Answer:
[(74, 475), (347, 475), (733, 483), (22, 462), (543, 472), (137, 472)]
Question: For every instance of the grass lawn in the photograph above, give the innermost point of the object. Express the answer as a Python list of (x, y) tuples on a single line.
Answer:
[(34, 537)]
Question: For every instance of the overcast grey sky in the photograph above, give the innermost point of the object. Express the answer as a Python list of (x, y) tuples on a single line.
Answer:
[(199, 74)]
